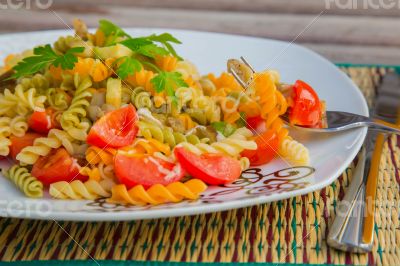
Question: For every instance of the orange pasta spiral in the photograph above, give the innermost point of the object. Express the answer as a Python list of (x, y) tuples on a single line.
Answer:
[(142, 78), (157, 194), (147, 146), (166, 63), (92, 67), (272, 102), (225, 81), (96, 155)]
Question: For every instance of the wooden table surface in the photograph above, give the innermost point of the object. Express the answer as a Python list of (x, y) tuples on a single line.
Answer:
[(370, 36)]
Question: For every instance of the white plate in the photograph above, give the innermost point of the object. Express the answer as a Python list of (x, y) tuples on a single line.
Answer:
[(330, 154)]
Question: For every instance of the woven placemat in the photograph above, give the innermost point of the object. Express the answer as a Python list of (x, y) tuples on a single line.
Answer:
[(288, 231)]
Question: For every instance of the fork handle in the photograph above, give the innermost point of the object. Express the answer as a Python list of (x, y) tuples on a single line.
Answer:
[(384, 126)]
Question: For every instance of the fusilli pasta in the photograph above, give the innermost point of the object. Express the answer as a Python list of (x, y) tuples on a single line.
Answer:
[(157, 194), (28, 184), (42, 146)]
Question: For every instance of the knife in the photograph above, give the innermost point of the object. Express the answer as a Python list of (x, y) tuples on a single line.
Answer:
[(352, 228)]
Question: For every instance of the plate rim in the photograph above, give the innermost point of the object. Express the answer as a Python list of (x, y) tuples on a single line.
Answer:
[(205, 208)]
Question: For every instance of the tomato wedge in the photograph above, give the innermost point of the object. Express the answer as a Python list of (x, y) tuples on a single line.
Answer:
[(18, 143), (116, 129), (145, 170), (58, 165), (42, 122), (213, 169), (306, 106), (267, 147)]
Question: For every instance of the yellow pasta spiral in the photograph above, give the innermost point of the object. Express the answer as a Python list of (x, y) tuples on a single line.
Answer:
[(42, 146), (28, 184), (166, 63), (5, 132), (73, 120), (158, 194), (293, 151), (96, 155), (232, 145), (77, 189)]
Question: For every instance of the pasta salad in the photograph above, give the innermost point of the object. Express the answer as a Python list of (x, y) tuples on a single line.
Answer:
[(107, 115)]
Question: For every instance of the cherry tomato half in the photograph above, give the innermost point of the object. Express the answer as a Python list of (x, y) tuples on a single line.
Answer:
[(306, 106), (145, 170), (58, 165), (267, 147), (116, 129), (213, 169), (42, 122)]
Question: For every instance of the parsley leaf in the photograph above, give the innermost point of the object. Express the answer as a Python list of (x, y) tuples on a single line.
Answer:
[(128, 66), (68, 60), (165, 39), (168, 82), (144, 47), (224, 128), (135, 43), (112, 31), (42, 57), (151, 50)]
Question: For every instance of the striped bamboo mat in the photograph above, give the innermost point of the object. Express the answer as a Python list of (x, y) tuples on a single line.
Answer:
[(288, 231)]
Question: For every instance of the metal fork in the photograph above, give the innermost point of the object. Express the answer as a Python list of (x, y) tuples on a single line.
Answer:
[(336, 120)]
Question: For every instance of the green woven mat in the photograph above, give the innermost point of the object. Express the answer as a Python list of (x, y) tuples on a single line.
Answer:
[(288, 231)]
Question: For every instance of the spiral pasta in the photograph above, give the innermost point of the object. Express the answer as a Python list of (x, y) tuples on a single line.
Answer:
[(142, 78), (165, 134), (39, 82), (157, 194), (293, 151), (58, 99), (18, 125), (96, 155), (147, 146), (63, 44), (272, 102), (94, 68), (21, 102), (232, 145), (166, 63), (28, 184), (74, 120), (187, 70), (77, 189), (5, 132), (141, 98), (42, 146)]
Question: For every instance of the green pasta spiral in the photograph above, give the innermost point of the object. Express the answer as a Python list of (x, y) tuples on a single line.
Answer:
[(39, 81), (166, 134), (56, 99), (141, 98), (28, 184), (74, 120)]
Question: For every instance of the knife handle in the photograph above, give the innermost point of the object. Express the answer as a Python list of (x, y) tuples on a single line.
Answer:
[(385, 126), (370, 189)]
